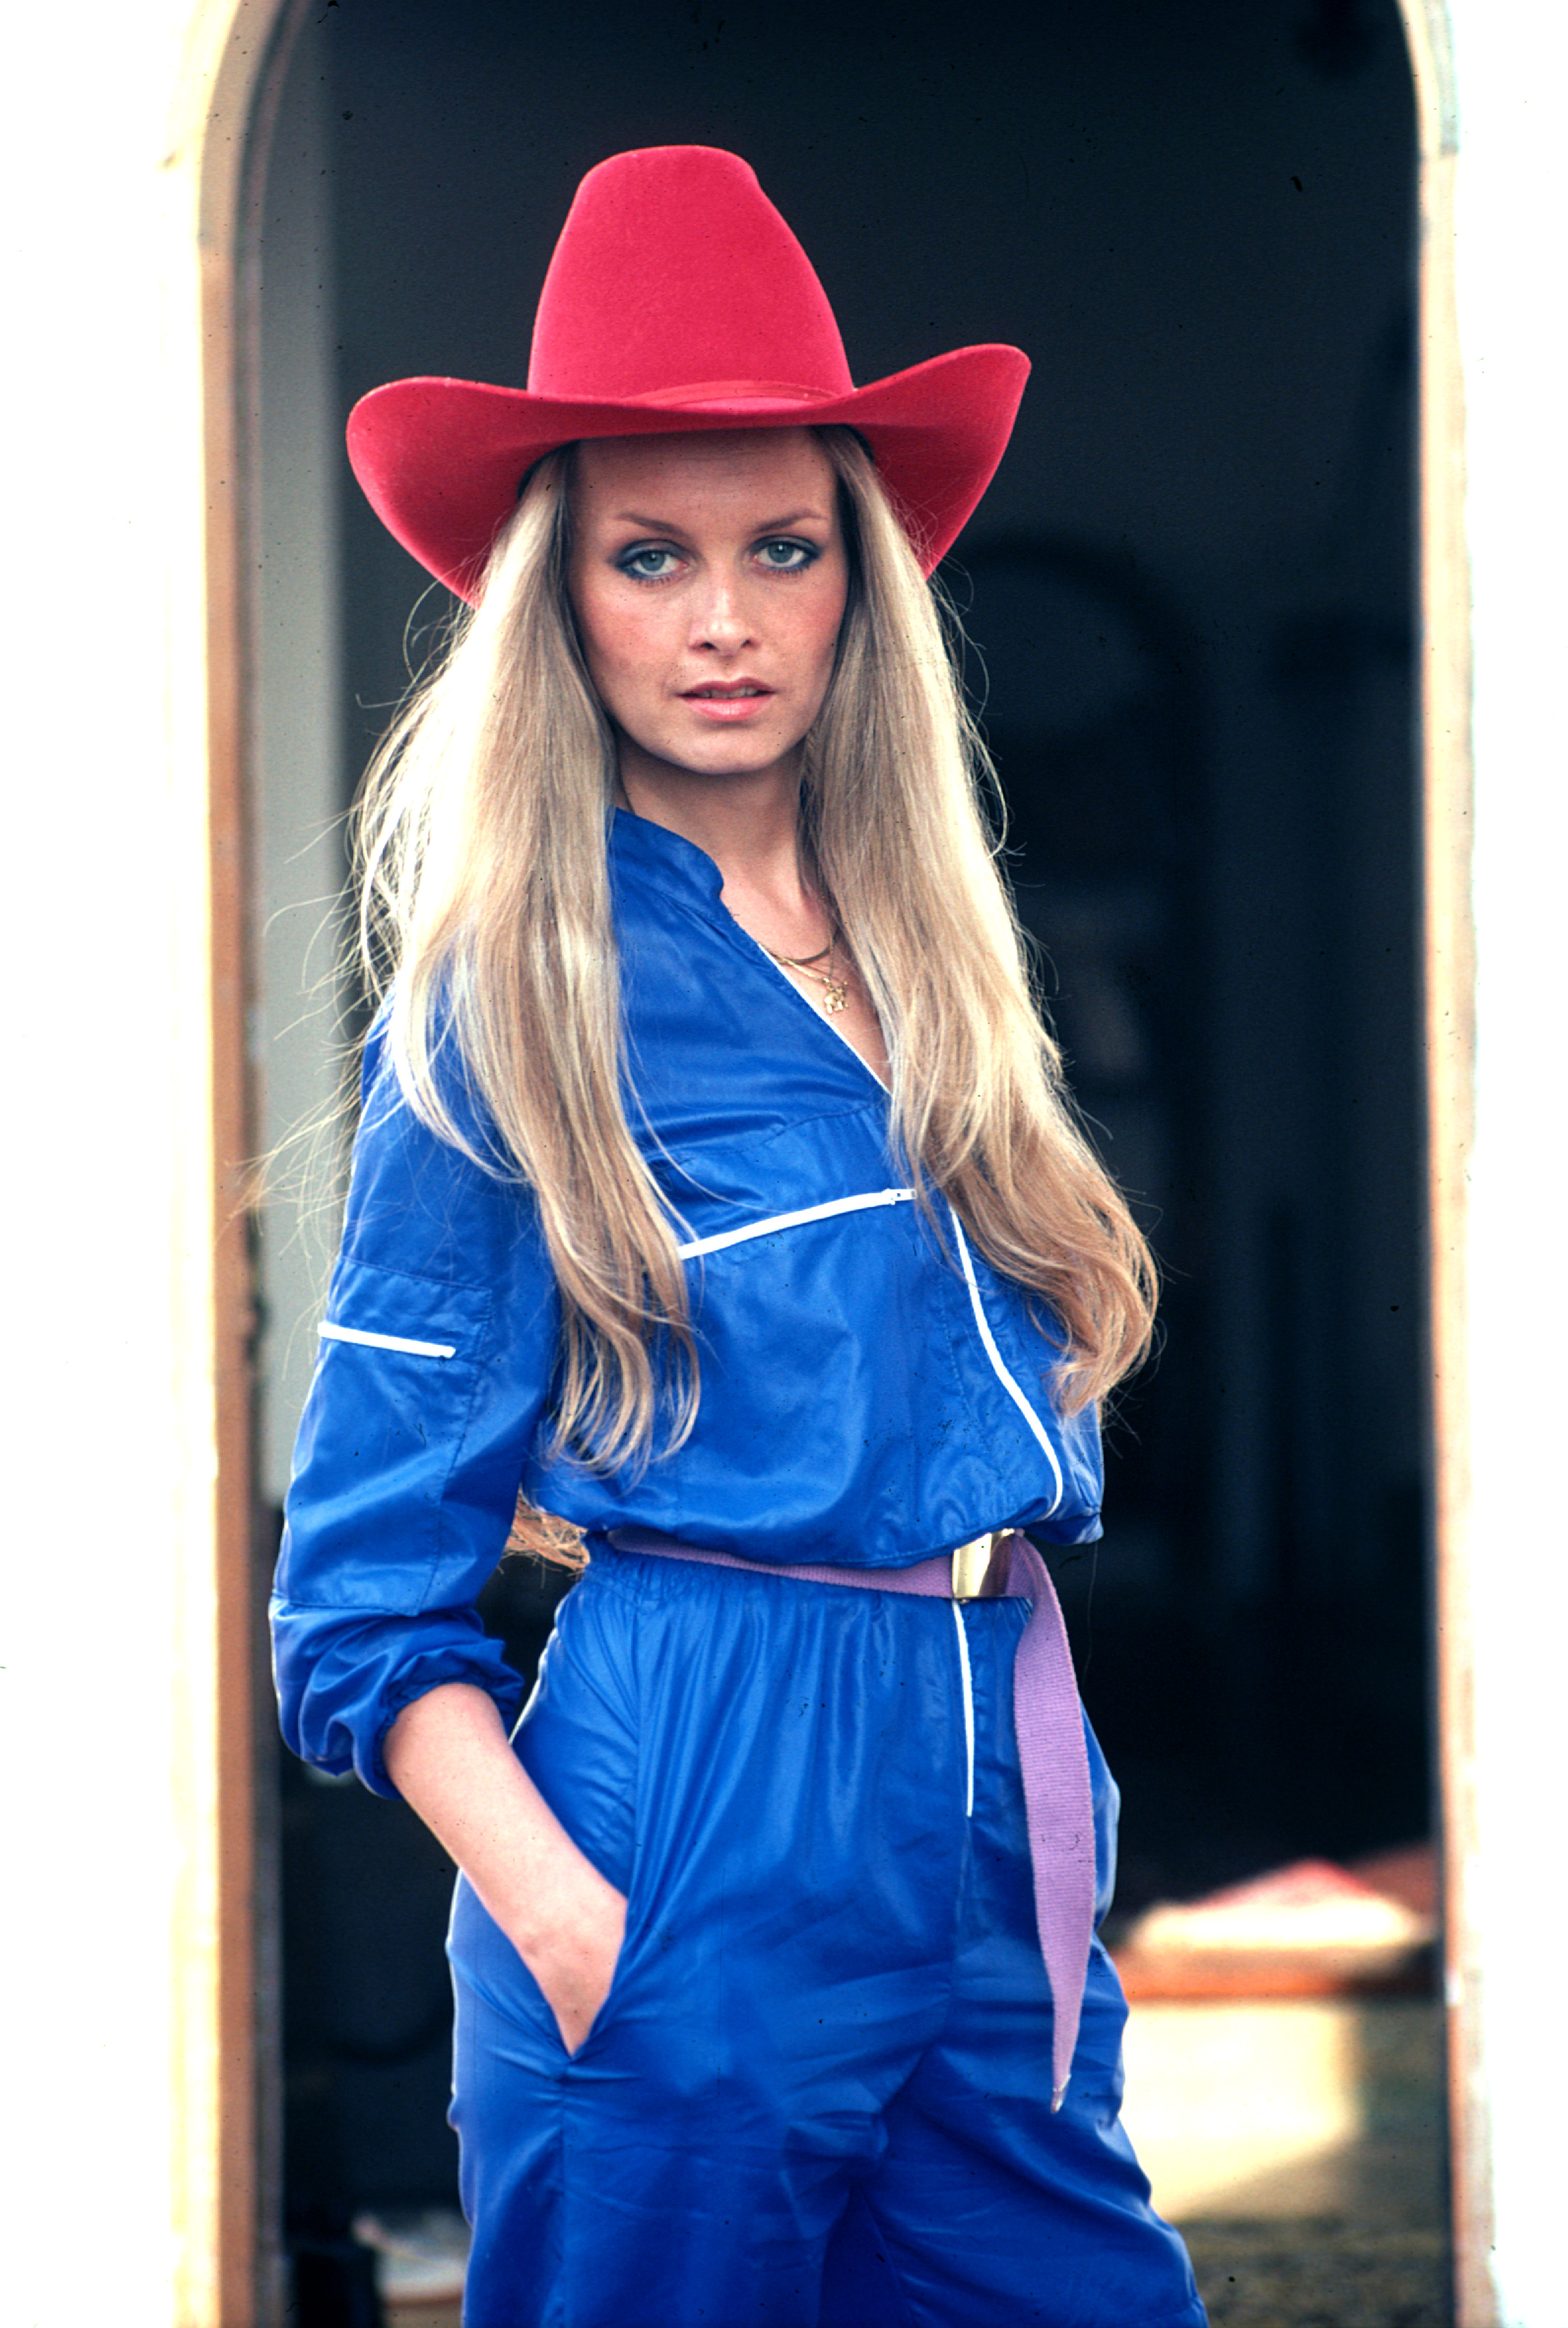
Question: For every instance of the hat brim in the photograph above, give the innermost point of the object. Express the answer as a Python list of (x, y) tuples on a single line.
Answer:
[(441, 460)]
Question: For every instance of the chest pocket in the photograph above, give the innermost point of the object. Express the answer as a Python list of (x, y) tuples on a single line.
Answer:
[(802, 1218)]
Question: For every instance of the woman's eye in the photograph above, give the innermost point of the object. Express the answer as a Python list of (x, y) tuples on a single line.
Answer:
[(647, 565), (787, 557)]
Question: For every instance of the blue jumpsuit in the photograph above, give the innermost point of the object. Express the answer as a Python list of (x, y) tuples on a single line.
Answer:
[(819, 2090)]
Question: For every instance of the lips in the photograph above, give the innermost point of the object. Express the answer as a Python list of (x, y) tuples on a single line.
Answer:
[(729, 702)]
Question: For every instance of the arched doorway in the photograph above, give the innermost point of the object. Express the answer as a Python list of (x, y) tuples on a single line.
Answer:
[(1190, 637)]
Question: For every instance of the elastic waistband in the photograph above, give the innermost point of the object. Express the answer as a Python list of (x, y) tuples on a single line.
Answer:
[(980, 1569), (1058, 1799)]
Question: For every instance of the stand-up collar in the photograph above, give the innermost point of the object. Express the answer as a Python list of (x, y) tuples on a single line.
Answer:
[(666, 859)]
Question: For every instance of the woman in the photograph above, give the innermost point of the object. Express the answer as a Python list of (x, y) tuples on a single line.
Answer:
[(714, 1191)]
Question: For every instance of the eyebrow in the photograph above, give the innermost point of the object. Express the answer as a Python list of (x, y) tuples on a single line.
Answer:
[(773, 525)]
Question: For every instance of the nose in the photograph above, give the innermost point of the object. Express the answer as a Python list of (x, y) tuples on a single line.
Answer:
[(720, 620)]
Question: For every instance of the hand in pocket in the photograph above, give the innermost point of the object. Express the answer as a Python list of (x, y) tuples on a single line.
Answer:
[(573, 1949)]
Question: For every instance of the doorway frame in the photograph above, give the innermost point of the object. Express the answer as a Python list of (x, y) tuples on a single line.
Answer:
[(226, 2074), (1447, 958)]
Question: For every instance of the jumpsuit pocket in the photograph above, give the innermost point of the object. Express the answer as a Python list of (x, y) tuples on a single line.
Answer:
[(578, 1738), (530, 1999), (487, 1965), (610, 1999)]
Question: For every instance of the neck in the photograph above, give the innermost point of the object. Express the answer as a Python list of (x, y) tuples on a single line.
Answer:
[(750, 827)]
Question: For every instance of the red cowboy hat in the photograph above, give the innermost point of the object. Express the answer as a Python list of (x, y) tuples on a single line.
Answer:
[(677, 299)]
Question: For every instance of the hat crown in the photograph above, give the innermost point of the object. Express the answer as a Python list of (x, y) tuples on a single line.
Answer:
[(674, 272)]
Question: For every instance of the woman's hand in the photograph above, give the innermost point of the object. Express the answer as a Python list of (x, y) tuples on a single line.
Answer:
[(449, 1756), (574, 1945)]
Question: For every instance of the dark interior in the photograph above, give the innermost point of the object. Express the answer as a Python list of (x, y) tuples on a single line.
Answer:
[(1189, 595)]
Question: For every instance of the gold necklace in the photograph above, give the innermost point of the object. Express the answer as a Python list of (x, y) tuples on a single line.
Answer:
[(836, 990)]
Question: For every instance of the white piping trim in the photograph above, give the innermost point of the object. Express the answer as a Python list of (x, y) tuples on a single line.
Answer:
[(994, 1355), (331, 1333), (968, 1707), (834, 1030), (794, 1220)]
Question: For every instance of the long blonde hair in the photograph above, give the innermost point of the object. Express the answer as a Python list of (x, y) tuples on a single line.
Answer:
[(485, 903)]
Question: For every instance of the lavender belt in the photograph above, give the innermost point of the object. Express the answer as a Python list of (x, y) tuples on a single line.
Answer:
[(1058, 1805)]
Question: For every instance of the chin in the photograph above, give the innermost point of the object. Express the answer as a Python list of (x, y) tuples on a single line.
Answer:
[(758, 760)]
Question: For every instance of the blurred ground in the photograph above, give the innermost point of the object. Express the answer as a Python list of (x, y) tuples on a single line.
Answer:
[(1299, 2143), (1333, 2274)]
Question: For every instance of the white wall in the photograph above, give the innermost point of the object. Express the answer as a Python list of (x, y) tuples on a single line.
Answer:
[(1512, 59), (108, 1461)]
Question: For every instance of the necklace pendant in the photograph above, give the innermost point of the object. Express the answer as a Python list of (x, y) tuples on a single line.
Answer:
[(836, 997)]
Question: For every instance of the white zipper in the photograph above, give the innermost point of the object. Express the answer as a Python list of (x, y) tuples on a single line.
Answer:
[(864, 1204), (957, 1610), (331, 1333), (999, 1368)]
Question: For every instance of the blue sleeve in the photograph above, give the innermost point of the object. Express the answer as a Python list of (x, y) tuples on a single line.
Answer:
[(435, 1367)]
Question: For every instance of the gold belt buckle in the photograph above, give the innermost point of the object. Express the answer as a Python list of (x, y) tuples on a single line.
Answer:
[(971, 1566)]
